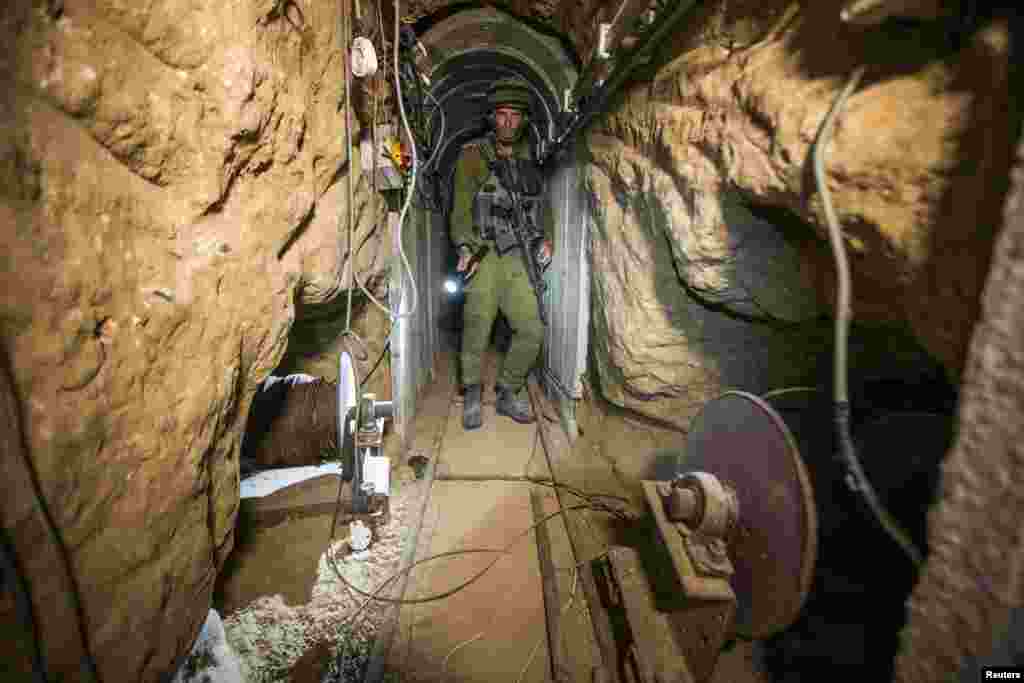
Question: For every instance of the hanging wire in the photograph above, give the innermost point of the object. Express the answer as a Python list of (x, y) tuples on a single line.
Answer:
[(412, 182), (856, 477), (500, 552), (788, 390), (440, 136)]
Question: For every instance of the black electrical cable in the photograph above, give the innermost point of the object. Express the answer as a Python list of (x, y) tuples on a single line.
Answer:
[(387, 347), (855, 477)]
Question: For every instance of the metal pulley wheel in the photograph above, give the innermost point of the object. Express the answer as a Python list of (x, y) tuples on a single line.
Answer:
[(346, 415), (743, 442)]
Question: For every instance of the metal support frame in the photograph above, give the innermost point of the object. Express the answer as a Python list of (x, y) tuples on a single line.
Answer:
[(625, 42), (676, 639)]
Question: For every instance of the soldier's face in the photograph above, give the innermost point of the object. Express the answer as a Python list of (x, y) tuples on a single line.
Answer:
[(507, 122)]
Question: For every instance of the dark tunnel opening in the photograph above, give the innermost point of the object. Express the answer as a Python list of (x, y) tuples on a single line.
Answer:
[(903, 428), (903, 411)]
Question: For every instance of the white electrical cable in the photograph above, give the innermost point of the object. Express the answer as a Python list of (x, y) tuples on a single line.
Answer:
[(412, 184), (842, 263), (374, 144), (366, 291), (842, 329)]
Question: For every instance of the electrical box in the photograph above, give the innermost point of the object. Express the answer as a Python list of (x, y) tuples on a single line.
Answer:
[(381, 166)]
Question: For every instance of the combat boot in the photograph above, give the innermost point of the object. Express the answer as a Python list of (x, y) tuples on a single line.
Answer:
[(514, 404), (472, 414)]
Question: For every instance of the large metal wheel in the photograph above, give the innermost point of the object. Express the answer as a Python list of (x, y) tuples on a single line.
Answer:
[(346, 413), (740, 439)]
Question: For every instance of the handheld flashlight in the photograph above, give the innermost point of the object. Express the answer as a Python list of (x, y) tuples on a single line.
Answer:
[(456, 281)]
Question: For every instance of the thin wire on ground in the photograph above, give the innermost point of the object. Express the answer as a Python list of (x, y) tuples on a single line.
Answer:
[(444, 664), (501, 552)]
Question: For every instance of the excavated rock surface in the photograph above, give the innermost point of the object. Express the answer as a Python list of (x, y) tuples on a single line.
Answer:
[(726, 128), (316, 340), (680, 273), (962, 605), (172, 180)]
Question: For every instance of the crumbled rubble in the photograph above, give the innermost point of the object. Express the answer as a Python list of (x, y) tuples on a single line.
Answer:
[(270, 636)]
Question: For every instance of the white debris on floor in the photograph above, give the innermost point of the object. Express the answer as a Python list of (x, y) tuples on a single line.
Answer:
[(264, 483), (212, 659), (270, 636)]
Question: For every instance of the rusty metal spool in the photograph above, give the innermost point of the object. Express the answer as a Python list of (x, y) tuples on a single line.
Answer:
[(743, 441)]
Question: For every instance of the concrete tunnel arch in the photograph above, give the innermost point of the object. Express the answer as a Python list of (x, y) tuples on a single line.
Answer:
[(467, 51)]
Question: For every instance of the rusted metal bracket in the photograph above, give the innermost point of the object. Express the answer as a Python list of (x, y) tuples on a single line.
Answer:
[(653, 655), (677, 640), (696, 584), (658, 644), (704, 511)]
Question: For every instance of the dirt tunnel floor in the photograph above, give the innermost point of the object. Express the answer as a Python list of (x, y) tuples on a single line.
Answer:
[(494, 629)]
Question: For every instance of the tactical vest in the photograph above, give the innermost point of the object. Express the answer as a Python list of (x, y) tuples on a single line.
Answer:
[(494, 210)]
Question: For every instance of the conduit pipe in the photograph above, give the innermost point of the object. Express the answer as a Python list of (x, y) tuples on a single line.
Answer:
[(856, 479), (412, 181), (594, 102)]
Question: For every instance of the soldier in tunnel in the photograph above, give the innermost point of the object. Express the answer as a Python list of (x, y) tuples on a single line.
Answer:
[(482, 218)]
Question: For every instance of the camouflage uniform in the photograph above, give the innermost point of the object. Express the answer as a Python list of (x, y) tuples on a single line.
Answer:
[(500, 283)]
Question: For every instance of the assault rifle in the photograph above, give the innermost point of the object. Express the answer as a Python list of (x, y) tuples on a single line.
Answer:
[(534, 271)]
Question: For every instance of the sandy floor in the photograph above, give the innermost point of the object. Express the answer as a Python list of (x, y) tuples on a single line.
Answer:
[(285, 610)]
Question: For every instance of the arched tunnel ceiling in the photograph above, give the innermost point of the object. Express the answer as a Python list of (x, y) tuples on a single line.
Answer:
[(473, 48)]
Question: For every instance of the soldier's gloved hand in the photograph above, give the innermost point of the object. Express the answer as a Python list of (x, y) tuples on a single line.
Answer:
[(464, 256)]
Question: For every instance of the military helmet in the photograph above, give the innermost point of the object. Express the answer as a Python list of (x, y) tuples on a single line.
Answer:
[(510, 92)]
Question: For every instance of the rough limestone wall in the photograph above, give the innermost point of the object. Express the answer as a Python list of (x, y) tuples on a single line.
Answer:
[(722, 131), (171, 177), (962, 605), (917, 168)]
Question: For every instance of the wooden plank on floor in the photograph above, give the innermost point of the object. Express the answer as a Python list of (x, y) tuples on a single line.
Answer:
[(555, 445), (549, 582), (650, 629)]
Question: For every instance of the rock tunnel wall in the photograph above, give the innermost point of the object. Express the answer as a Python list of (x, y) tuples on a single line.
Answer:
[(173, 184), (717, 138), (916, 168), (965, 610), (716, 135), (172, 179)]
